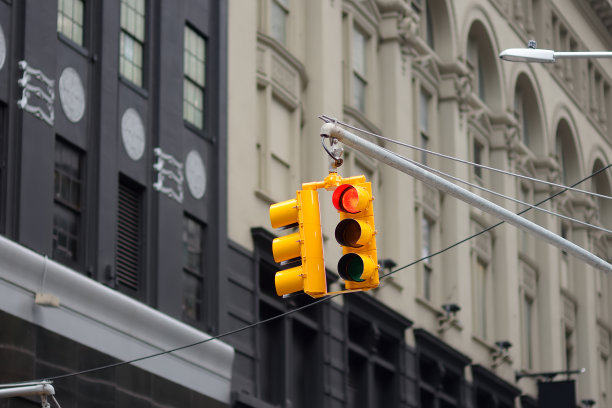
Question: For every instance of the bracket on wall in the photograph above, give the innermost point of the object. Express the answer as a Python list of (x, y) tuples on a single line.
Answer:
[(35, 83)]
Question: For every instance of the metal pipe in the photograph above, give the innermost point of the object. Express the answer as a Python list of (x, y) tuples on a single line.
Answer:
[(582, 54), (40, 389), (403, 165)]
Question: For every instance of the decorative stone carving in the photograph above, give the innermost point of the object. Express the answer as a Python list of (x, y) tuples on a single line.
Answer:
[(195, 173), (72, 94), (463, 88), (169, 171), (133, 134), (35, 83)]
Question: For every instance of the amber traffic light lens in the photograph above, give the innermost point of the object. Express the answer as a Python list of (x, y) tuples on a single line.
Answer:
[(348, 233)]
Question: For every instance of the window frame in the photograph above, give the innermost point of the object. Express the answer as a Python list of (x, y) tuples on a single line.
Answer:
[(65, 206), (198, 275), (126, 34), (193, 81), (528, 288), (83, 26), (286, 10), (356, 20)]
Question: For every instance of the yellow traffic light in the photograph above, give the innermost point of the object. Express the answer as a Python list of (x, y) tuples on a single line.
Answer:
[(356, 233), (306, 244)]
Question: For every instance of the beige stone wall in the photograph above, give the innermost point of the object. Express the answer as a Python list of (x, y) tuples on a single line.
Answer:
[(370, 64)]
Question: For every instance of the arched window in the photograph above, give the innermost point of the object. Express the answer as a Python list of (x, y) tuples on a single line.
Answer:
[(527, 113), (602, 185), (567, 155), (482, 61)]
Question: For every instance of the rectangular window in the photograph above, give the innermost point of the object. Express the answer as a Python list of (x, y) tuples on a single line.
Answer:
[(70, 19), (67, 203), (424, 100), (358, 63), (130, 235), (132, 40), (193, 236), (194, 80), (569, 348), (279, 13), (528, 318), (426, 232), (478, 150), (480, 298), (604, 379)]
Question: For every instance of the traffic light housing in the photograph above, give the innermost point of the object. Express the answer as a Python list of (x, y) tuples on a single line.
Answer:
[(355, 232), (306, 244)]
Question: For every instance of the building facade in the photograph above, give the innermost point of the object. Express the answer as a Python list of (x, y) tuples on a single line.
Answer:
[(143, 141), (425, 73), (113, 145)]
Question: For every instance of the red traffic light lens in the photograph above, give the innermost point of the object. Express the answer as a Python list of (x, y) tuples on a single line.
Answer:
[(350, 199)]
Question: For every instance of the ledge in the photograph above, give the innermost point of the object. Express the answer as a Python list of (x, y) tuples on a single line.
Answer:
[(110, 322)]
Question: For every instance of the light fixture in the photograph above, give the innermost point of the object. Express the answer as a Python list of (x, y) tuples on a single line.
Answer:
[(450, 317), (533, 54), (501, 355)]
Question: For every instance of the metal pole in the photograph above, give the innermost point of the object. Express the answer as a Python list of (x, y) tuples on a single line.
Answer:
[(40, 389), (582, 54), (403, 165)]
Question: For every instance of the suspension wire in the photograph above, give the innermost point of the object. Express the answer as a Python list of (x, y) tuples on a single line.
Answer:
[(316, 302), (497, 224), (508, 173), (443, 174)]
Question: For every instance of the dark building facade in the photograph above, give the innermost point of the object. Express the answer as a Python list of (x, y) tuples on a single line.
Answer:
[(112, 135)]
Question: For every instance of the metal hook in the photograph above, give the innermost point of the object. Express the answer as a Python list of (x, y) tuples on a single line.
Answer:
[(337, 161)]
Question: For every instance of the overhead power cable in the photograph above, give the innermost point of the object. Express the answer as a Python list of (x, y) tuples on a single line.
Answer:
[(499, 223), (508, 173), (316, 302), (495, 193)]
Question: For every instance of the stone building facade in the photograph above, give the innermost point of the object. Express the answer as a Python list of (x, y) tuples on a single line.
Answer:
[(426, 73)]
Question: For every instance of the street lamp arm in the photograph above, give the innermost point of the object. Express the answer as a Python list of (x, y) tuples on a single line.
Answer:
[(547, 56), (583, 54)]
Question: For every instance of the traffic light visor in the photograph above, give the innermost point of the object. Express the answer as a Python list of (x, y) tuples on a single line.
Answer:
[(350, 199), (353, 233), (289, 281), (287, 247), (284, 213)]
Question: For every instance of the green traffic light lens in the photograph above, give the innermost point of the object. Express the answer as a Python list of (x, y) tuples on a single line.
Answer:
[(350, 267)]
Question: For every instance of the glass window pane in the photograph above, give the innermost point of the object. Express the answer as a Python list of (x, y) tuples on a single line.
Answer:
[(358, 52), (424, 111), (358, 93), (193, 84), (278, 27), (78, 12), (192, 293)]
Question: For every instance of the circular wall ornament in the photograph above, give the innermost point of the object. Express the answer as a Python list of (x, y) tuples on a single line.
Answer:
[(2, 48), (133, 134), (195, 173), (72, 94)]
